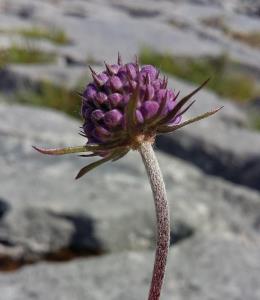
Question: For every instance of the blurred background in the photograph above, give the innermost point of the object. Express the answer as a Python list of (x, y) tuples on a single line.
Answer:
[(94, 238)]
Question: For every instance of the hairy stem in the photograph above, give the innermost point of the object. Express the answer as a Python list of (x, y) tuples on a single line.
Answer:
[(162, 216)]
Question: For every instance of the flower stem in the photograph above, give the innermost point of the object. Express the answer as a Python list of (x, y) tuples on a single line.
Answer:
[(162, 216)]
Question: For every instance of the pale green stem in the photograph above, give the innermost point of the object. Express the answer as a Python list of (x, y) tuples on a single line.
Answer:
[(162, 216)]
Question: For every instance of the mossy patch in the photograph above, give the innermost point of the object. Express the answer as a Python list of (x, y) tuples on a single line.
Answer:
[(217, 22), (52, 96), (178, 23), (255, 121), (251, 38), (25, 55), (52, 34)]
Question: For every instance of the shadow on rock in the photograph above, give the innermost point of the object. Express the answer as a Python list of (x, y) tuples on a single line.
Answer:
[(4, 208), (84, 239)]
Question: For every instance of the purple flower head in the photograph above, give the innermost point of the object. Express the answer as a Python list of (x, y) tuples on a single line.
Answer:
[(124, 106), (106, 105)]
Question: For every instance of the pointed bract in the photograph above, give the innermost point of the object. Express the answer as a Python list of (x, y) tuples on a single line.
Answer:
[(181, 103), (92, 70), (97, 163), (119, 59), (62, 151), (131, 110), (168, 129)]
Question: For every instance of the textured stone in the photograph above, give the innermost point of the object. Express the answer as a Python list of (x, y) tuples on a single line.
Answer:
[(202, 268), (92, 25), (109, 210), (218, 149), (45, 214)]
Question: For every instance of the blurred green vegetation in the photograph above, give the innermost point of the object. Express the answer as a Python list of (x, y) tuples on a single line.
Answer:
[(52, 34), (251, 38), (52, 96), (178, 23), (225, 80), (27, 54), (217, 22), (255, 121)]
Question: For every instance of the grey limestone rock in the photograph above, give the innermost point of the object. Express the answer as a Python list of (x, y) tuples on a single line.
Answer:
[(202, 268), (109, 210), (219, 149)]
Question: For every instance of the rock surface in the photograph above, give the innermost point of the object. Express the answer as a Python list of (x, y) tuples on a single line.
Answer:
[(106, 219), (218, 145), (92, 25), (219, 149), (44, 210), (199, 269)]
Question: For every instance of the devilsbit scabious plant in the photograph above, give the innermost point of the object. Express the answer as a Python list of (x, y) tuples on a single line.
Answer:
[(124, 108)]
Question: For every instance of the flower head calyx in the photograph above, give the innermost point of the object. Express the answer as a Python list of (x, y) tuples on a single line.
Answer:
[(124, 106)]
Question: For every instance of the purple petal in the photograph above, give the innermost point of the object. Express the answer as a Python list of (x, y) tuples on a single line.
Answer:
[(103, 77), (157, 84), (175, 120), (151, 70), (115, 99), (90, 92), (112, 69), (86, 110), (160, 95), (171, 105), (149, 109), (100, 98), (101, 133), (131, 71), (97, 115), (115, 68), (171, 95), (113, 118), (116, 83), (122, 73)]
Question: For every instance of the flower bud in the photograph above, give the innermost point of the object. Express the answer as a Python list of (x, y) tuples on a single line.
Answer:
[(149, 109), (100, 98), (116, 83), (115, 99), (113, 118), (97, 115)]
